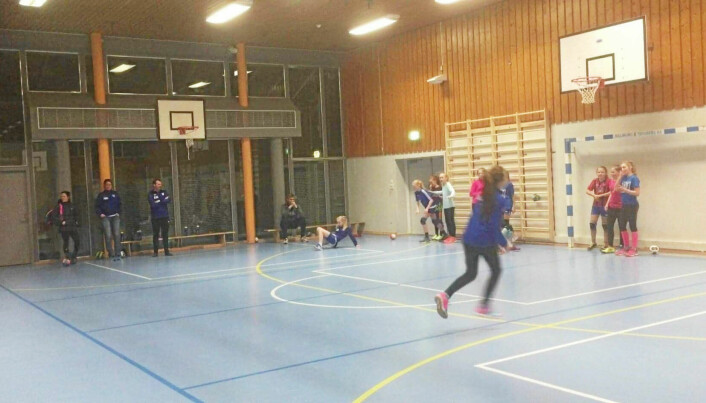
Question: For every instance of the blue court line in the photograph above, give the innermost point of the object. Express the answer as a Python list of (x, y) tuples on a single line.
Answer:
[(432, 337), (297, 299), (106, 347)]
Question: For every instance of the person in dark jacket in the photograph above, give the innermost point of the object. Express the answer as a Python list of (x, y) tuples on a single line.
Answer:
[(65, 217), (292, 217), (108, 209), (159, 200)]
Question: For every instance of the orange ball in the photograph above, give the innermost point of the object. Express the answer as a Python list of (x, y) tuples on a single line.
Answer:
[(393, 236)]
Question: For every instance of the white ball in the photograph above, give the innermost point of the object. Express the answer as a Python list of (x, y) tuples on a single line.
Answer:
[(257, 239), (654, 249)]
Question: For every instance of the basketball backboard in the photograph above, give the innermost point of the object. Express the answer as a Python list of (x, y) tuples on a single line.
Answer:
[(173, 114), (616, 53)]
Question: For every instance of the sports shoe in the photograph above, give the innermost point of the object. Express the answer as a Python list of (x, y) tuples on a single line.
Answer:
[(286, 241), (442, 304), (425, 239), (632, 252), (155, 254), (593, 246), (620, 252), (450, 239), (168, 253), (482, 309), (436, 237), (608, 249), (318, 246), (514, 248)]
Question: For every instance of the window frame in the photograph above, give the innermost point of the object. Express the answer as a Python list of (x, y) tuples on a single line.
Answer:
[(167, 76), (78, 62), (284, 79), (171, 78)]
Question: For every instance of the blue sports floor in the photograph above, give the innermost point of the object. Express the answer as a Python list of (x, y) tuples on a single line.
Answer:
[(284, 323)]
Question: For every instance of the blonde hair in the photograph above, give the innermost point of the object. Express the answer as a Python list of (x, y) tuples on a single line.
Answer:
[(631, 165), (343, 219), (418, 183)]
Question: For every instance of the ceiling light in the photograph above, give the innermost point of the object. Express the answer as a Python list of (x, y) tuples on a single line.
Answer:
[(122, 68), (446, 1), (32, 3), (374, 25), (229, 12), (199, 84), (317, 154), (414, 135), (235, 73)]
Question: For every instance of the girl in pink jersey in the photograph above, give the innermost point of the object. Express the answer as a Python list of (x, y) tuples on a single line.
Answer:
[(598, 189), (613, 207), (477, 186)]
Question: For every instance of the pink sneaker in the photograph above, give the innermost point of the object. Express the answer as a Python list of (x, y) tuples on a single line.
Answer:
[(482, 310), (620, 252), (632, 252), (442, 304), (450, 239)]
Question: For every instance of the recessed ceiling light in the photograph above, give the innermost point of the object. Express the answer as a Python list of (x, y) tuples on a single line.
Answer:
[(235, 73), (229, 12), (446, 1), (414, 135), (122, 68), (374, 25), (32, 3), (199, 84)]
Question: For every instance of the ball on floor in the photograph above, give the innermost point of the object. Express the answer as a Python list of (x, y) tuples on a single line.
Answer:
[(393, 236)]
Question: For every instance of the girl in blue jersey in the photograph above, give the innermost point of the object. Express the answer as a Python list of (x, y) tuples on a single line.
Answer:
[(481, 238), (340, 233), (431, 207), (629, 187)]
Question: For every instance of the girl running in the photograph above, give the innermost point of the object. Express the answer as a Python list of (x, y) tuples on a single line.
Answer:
[(613, 206), (65, 217), (598, 189), (431, 209), (477, 186), (629, 188), (481, 238), (340, 233)]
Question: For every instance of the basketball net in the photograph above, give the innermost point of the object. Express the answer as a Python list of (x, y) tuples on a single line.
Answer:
[(189, 141), (587, 87)]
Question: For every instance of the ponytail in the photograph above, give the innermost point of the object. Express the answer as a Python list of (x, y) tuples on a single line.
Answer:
[(491, 179)]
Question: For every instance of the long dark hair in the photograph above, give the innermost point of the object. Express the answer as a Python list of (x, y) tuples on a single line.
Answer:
[(491, 179)]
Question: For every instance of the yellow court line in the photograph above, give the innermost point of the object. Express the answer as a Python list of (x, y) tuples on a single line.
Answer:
[(411, 368)]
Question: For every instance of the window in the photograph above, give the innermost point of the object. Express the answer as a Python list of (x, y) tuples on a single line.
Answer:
[(12, 132), (304, 90), (337, 186), (128, 75), (264, 80), (53, 72), (332, 102), (198, 78), (310, 190)]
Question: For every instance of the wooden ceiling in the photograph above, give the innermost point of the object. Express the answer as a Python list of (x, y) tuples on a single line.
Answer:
[(274, 23)]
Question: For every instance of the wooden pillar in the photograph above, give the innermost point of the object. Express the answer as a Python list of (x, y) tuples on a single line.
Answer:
[(246, 149), (99, 98)]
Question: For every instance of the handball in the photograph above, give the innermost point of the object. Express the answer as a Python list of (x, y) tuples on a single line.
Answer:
[(654, 249), (393, 236)]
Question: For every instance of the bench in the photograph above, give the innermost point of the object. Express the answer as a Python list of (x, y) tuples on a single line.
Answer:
[(356, 227), (128, 245)]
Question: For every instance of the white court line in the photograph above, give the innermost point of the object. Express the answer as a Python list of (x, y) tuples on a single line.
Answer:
[(390, 261), (476, 297), (119, 271), (486, 365), (274, 295), (616, 288), (268, 265)]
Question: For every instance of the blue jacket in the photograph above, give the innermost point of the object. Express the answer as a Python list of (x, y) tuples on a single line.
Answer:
[(108, 203), (484, 232), (158, 203)]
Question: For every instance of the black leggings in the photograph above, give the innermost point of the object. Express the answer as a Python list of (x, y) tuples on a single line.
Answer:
[(628, 215), (490, 254), (158, 225), (450, 222), (436, 220), (613, 215), (65, 237)]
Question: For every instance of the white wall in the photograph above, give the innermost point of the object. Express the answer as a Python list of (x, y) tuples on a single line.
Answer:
[(671, 170), (669, 167), (378, 192)]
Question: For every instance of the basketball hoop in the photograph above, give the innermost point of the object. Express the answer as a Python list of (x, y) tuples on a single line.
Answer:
[(184, 130), (588, 86)]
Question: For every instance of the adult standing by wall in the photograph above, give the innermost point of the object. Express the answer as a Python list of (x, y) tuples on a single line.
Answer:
[(159, 200), (108, 208)]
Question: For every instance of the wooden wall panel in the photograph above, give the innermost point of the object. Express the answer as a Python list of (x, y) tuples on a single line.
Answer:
[(504, 59)]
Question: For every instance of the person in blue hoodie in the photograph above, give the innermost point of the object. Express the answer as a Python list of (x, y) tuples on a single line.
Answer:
[(159, 200), (108, 209), (481, 238)]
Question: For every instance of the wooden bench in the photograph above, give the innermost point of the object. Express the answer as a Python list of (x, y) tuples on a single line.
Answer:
[(221, 240), (356, 227)]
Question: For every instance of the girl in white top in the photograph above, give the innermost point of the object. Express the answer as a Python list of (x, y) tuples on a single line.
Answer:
[(448, 193)]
